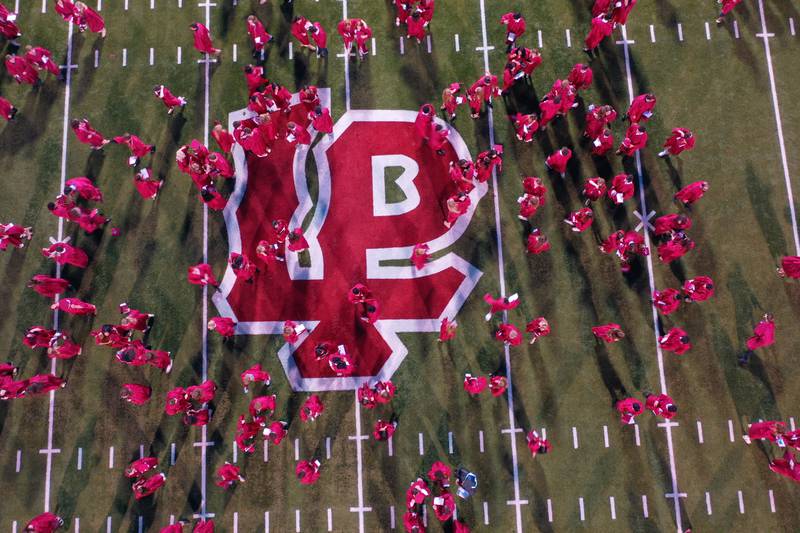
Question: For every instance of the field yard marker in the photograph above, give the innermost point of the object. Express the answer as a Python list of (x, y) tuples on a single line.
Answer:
[(235, 522), (680, 32), (234, 52), (19, 460), (152, 4), (539, 36), (708, 32), (544, 433), (777, 111), (391, 446), (741, 501), (700, 432), (458, 45), (99, 5), (580, 505), (152, 57), (791, 26), (179, 55), (297, 520), (16, 6), (430, 46), (645, 512), (392, 524), (791, 423), (235, 453), (77, 525), (425, 516), (296, 449), (771, 501), (486, 513), (327, 447), (480, 440), (96, 58), (124, 57), (652, 34), (613, 506), (644, 220), (111, 457), (44, 7), (450, 442), (549, 510), (605, 436), (374, 47), (266, 521), (330, 519), (708, 503), (171, 519), (574, 437), (402, 46), (266, 450), (421, 445), (126, 5), (675, 494), (141, 524), (108, 525), (141, 451), (736, 29), (730, 430), (569, 39), (291, 51), (172, 454), (80, 458)]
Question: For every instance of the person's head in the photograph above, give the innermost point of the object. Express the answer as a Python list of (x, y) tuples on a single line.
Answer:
[(768, 317), (237, 262), (427, 109), (542, 449), (248, 70), (636, 406), (564, 151), (684, 339), (74, 123), (51, 206), (672, 408), (704, 186), (649, 97), (194, 26), (127, 355), (251, 19)]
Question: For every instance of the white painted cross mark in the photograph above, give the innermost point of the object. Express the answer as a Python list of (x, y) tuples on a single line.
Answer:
[(644, 221)]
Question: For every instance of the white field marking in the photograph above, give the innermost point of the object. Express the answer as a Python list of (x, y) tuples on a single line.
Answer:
[(700, 432), (124, 57), (480, 440), (126, 5), (347, 108), (179, 54), (108, 525), (234, 52), (425, 516), (708, 503), (517, 501), (77, 525), (266, 521), (680, 32), (330, 519), (651, 279), (402, 46), (574, 437), (539, 36), (765, 35), (730, 431), (99, 5), (236, 452), (580, 506), (111, 457), (736, 29), (544, 433), (16, 6), (392, 523), (569, 39), (235, 522), (455, 513), (266, 451), (791, 423), (291, 51), (374, 47), (51, 409), (645, 512), (80, 458), (430, 45), (141, 451), (421, 445), (96, 58), (152, 57), (44, 7), (297, 520), (391, 446), (296, 449), (172, 454), (327, 447), (605, 436), (152, 4), (652, 34), (771, 501), (741, 501), (791, 26), (458, 44), (180, 3), (485, 513), (708, 32), (141, 524), (612, 504), (171, 519), (19, 461), (358, 437), (549, 510), (450, 442)]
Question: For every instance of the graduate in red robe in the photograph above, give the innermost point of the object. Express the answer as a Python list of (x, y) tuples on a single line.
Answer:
[(763, 333), (676, 340), (202, 39)]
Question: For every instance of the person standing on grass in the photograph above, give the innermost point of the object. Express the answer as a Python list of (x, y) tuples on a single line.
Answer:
[(629, 409), (763, 333), (202, 39), (44, 523)]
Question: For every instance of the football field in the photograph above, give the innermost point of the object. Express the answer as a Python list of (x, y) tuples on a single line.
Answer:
[(730, 84)]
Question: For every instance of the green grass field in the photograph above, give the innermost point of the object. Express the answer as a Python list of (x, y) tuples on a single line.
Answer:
[(599, 474)]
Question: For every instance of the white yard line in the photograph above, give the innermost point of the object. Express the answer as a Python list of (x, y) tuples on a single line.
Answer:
[(392, 522), (700, 432), (680, 32), (645, 511), (582, 510), (741, 501), (791, 27), (516, 502), (111, 457), (421, 445), (569, 38), (605, 436), (708, 503), (612, 504), (771, 501), (730, 431), (652, 34), (765, 35), (450, 442), (480, 440), (675, 494), (458, 44), (574, 437), (266, 522), (791, 423), (485, 513), (708, 32)]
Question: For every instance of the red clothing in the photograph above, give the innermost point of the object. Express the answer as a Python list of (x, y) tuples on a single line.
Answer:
[(790, 265), (223, 325), (311, 408), (42, 58), (581, 76), (22, 71), (38, 337), (537, 242), (515, 26), (676, 340), (447, 330), (498, 385), (44, 523), (508, 334), (671, 224), (255, 374), (771, 430), (300, 31), (43, 383), (146, 487), (146, 184), (661, 405), (635, 139), (609, 332), (678, 246), (699, 289), (84, 188), (276, 432), (136, 394), (622, 9), (679, 141), (594, 188), (786, 465), (7, 109), (383, 430), (763, 334), (420, 255), (170, 100), (422, 124), (204, 526), (228, 475), (140, 467), (92, 19), (307, 472), (600, 29), (242, 267), (538, 327), (692, 192), (202, 39), (537, 444), (525, 126), (87, 134), (622, 188), (629, 409), (667, 301), (258, 34), (727, 7), (201, 274), (322, 121), (497, 305), (557, 161), (580, 220), (13, 235), (61, 347), (444, 506), (223, 138), (474, 384), (602, 144), (74, 306), (137, 147), (47, 286)]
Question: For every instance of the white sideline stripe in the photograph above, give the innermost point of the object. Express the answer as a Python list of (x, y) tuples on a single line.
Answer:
[(152, 57), (141, 524), (44, 7), (124, 57), (291, 51), (574, 437), (539, 36), (296, 449), (680, 32), (741, 501), (613, 506), (51, 408), (77, 525), (549, 510), (605, 436), (126, 5), (450, 442), (651, 280), (771, 501), (421, 445), (458, 45), (517, 502), (180, 3), (485, 513), (141, 451), (392, 523), (152, 4), (652, 34), (730, 431), (172, 454), (80, 458), (736, 29), (297, 520), (480, 440), (14, 526), (645, 511), (700, 432), (580, 506), (266, 521), (330, 519), (777, 110), (708, 503), (327, 447), (708, 32), (569, 39), (111, 457), (19, 461)]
